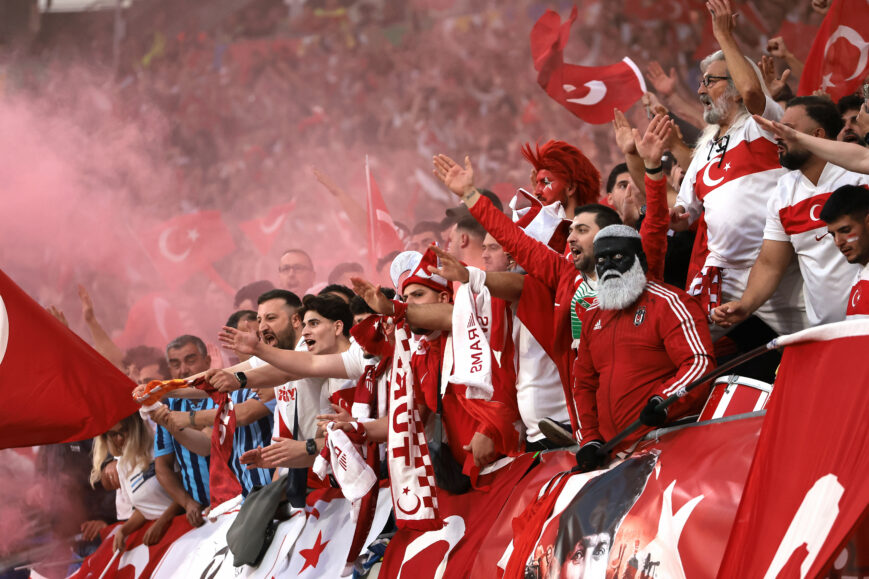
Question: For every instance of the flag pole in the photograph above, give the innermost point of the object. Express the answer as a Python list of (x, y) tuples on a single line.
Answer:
[(848, 328)]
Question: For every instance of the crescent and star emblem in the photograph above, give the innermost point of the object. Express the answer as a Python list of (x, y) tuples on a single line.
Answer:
[(411, 511), (812, 214), (854, 38), (596, 92), (163, 243), (273, 226), (4, 329), (855, 298), (706, 180)]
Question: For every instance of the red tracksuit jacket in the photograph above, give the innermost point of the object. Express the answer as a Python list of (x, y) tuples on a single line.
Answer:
[(654, 347)]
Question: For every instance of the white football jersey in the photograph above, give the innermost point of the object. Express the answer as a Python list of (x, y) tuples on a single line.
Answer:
[(730, 181), (793, 216)]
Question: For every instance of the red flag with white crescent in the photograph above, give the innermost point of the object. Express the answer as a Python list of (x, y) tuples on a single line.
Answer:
[(383, 237), (806, 490), (589, 92), (263, 231), (839, 59), (138, 560), (55, 387), (186, 244)]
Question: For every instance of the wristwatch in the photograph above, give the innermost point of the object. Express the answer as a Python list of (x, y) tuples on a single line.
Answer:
[(311, 446), (242, 379)]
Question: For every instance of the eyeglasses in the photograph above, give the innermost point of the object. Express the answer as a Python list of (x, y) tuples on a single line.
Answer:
[(294, 268), (710, 79)]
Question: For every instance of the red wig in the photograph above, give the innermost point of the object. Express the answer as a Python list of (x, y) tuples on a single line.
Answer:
[(568, 162)]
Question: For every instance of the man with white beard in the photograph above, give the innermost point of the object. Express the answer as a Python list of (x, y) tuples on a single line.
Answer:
[(641, 342), (732, 175)]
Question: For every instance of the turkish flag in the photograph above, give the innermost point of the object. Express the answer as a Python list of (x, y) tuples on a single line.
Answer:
[(383, 236), (55, 387), (186, 244), (589, 92), (469, 519), (138, 561), (223, 485), (807, 488), (672, 518), (263, 231), (839, 59)]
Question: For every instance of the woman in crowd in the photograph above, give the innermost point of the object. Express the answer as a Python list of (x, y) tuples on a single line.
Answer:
[(131, 441)]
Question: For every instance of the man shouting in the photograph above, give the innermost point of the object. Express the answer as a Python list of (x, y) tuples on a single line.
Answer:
[(641, 342)]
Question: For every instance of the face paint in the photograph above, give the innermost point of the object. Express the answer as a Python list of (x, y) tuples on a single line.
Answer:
[(620, 272), (852, 239)]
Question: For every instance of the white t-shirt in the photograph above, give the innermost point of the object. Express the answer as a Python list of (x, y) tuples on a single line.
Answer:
[(792, 216), (310, 394), (142, 489), (538, 384), (730, 181)]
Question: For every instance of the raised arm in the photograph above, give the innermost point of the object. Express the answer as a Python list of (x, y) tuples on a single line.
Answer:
[(850, 156), (504, 285), (102, 342), (296, 364), (654, 229), (354, 211), (534, 257), (426, 316), (741, 71)]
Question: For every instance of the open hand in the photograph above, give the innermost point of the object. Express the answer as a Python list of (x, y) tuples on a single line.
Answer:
[(238, 341), (665, 84), (451, 268), (458, 179), (372, 296), (652, 144), (623, 133)]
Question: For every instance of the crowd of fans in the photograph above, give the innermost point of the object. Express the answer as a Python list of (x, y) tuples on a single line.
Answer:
[(266, 92)]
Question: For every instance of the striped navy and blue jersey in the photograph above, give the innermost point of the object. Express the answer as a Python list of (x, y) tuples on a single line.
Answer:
[(193, 467), (248, 437)]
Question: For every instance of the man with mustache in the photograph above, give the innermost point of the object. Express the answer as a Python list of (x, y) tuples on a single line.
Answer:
[(794, 227), (849, 108), (730, 179), (641, 342)]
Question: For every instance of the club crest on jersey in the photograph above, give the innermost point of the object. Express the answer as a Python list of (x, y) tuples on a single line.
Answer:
[(640, 316)]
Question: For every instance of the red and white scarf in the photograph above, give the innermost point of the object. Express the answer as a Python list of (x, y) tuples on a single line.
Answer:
[(223, 485), (472, 321), (341, 456), (411, 475)]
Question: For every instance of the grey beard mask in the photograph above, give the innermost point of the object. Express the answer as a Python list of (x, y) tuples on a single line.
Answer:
[(616, 291)]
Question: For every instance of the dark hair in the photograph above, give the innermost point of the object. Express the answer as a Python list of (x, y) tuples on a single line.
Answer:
[(337, 288), (143, 356), (331, 308), (182, 341), (471, 226), (342, 268), (238, 316), (252, 291), (387, 259), (611, 180), (849, 200), (849, 102), (359, 306), (603, 215), (289, 297), (496, 201), (822, 111)]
